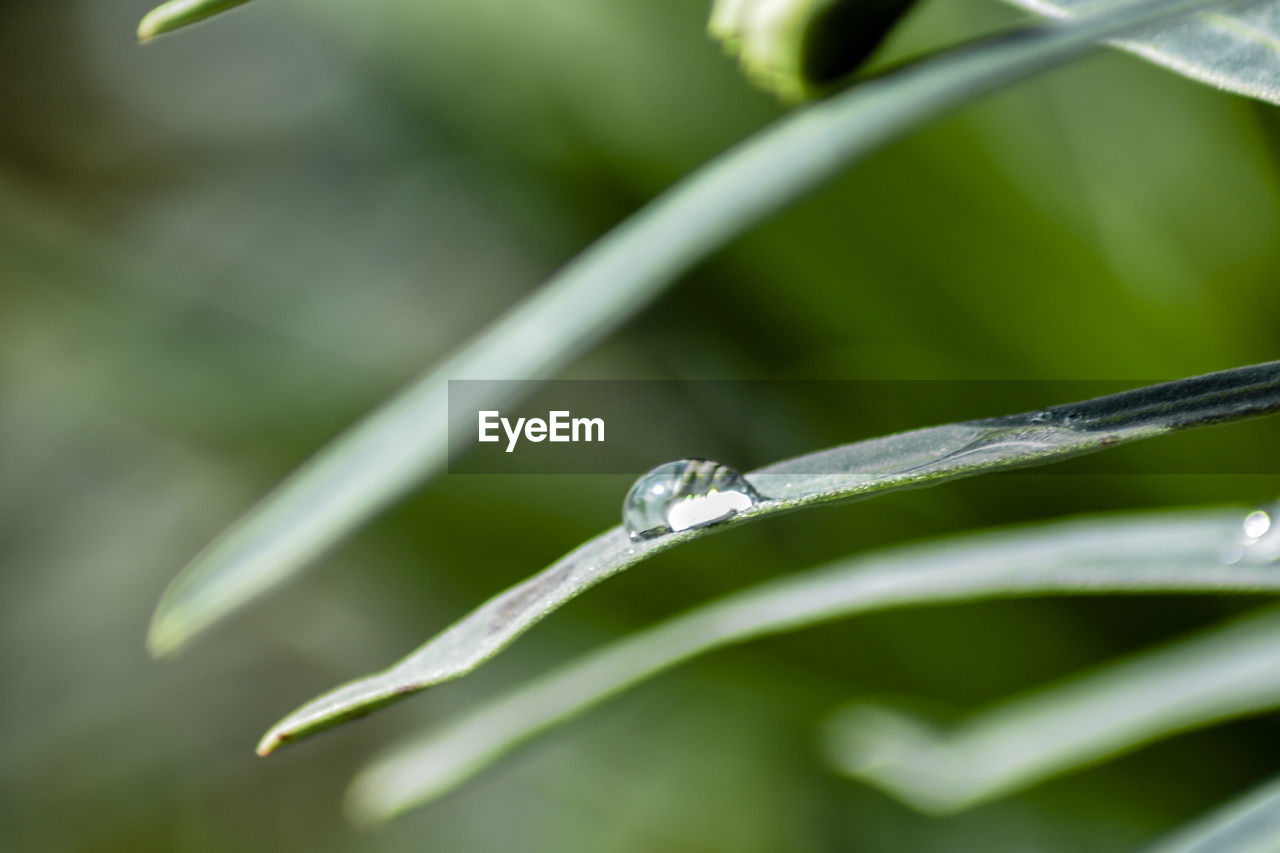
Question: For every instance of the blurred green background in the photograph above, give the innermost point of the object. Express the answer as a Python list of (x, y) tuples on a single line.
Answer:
[(218, 250)]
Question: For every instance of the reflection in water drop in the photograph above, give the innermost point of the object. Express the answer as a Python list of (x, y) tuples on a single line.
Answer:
[(684, 494), (1256, 524), (1259, 540)]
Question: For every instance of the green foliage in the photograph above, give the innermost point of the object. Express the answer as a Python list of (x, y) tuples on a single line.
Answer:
[(799, 49), (1171, 554), (404, 442), (1220, 675), (909, 460), (1233, 48), (176, 14), (1251, 823), (219, 251)]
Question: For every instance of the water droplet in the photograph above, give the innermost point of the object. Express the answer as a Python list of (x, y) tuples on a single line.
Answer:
[(685, 494), (1259, 539), (1256, 524)]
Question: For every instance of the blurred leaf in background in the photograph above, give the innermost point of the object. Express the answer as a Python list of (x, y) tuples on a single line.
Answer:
[(176, 14), (218, 251)]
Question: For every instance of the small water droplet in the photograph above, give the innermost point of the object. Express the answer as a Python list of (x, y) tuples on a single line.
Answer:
[(1256, 524), (1259, 540), (685, 494)]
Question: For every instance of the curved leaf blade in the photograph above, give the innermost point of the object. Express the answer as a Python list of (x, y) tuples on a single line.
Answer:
[(405, 442), (1172, 552), (1225, 673), (181, 13), (1250, 824), (855, 471), (1236, 48)]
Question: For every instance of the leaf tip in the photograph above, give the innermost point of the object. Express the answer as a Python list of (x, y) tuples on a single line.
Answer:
[(164, 640), (271, 741), (361, 809), (176, 14), (379, 794), (154, 23), (298, 724), (194, 601)]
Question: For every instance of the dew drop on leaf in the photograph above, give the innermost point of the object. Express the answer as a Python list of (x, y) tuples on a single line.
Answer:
[(1259, 539), (685, 494)]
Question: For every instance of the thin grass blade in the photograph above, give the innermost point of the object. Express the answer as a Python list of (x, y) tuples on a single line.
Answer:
[(1224, 673), (1236, 48), (856, 471), (181, 13), (403, 443), (1250, 824)]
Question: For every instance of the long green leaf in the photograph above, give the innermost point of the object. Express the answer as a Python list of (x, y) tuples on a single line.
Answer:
[(1174, 552), (181, 13), (404, 442), (1250, 824), (912, 459), (1236, 48), (1225, 673)]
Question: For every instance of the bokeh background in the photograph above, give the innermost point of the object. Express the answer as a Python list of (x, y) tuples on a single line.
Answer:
[(218, 250)]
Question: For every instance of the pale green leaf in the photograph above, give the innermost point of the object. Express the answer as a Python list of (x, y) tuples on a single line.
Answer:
[(181, 13), (1174, 552), (798, 48), (398, 446), (1250, 824), (1236, 48), (1225, 673), (913, 459)]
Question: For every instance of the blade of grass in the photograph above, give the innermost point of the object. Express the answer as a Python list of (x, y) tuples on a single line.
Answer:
[(1250, 824), (1237, 49), (405, 441), (1172, 552), (1220, 674), (912, 459), (181, 13)]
